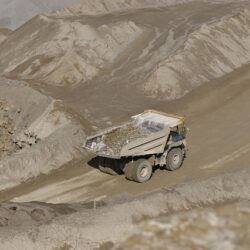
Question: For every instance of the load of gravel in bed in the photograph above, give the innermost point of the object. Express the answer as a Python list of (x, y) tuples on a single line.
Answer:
[(121, 136)]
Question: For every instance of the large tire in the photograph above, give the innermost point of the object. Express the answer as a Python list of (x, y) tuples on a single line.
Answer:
[(139, 171), (174, 159), (129, 170), (109, 166)]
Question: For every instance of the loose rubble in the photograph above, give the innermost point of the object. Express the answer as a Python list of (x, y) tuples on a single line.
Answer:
[(121, 136), (218, 227), (7, 129), (36, 135)]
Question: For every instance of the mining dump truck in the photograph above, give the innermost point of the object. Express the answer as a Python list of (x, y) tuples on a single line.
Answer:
[(149, 139)]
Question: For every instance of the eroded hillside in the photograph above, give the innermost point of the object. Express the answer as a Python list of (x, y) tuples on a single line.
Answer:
[(142, 222), (67, 74), (14, 13), (7, 129), (81, 54), (211, 51), (4, 33), (37, 135)]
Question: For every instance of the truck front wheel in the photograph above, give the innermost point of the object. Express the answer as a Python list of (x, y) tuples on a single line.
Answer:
[(174, 159)]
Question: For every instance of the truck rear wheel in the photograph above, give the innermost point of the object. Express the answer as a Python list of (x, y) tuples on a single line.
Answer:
[(139, 171), (129, 171), (109, 166), (174, 159)]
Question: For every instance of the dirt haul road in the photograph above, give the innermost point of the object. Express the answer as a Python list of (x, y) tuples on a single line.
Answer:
[(105, 66), (219, 121)]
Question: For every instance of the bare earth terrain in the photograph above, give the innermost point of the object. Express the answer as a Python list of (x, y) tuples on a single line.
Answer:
[(14, 13), (69, 73)]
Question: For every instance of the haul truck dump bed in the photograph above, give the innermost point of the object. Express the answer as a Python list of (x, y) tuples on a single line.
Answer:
[(148, 134)]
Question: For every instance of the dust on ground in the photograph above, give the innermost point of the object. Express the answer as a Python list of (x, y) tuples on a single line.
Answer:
[(157, 49), (215, 105), (86, 226), (218, 227)]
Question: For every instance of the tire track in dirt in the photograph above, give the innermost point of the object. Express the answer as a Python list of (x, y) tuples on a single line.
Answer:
[(229, 158)]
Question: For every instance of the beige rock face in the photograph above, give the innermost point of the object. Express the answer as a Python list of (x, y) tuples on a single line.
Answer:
[(4, 33), (14, 13), (155, 51), (66, 52), (211, 52), (100, 61), (99, 7), (7, 129), (37, 135)]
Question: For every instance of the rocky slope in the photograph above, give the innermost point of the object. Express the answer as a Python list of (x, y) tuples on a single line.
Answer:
[(153, 50), (65, 52), (137, 222), (14, 13), (4, 33), (217, 227), (93, 55), (7, 129), (212, 51), (86, 66), (37, 135), (100, 7)]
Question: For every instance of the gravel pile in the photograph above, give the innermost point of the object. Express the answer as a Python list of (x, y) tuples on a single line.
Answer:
[(121, 136)]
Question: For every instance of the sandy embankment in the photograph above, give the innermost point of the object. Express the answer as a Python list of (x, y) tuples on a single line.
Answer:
[(40, 136), (79, 226), (91, 63), (122, 53), (4, 33)]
